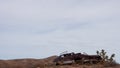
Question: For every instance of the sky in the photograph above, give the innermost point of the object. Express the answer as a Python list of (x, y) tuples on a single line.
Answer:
[(42, 28)]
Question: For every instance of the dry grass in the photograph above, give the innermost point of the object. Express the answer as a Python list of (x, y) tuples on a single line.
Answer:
[(45, 63)]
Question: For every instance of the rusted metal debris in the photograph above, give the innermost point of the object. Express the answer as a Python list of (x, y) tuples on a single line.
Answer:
[(70, 58)]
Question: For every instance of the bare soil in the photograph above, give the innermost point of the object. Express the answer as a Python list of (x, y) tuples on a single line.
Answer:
[(44, 63)]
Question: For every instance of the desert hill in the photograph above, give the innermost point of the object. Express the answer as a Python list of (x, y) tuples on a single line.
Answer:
[(26, 63), (43, 63)]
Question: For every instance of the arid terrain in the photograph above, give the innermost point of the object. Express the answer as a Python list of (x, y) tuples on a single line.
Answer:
[(44, 63)]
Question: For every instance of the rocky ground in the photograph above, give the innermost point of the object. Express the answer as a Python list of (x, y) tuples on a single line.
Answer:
[(44, 63)]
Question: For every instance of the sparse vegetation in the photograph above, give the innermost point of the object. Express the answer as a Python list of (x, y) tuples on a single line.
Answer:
[(106, 60), (48, 63)]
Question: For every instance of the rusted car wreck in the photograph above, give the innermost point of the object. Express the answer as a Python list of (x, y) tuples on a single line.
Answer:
[(70, 58)]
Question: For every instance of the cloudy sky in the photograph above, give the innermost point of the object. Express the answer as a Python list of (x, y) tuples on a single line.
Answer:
[(41, 28)]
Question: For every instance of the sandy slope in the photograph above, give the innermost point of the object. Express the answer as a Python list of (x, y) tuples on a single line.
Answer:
[(42, 63)]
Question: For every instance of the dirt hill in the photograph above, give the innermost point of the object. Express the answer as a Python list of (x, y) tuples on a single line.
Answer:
[(43, 63)]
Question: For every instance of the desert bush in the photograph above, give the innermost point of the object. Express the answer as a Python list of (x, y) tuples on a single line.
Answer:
[(106, 60)]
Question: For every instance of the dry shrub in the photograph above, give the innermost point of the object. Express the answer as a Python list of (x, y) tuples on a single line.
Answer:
[(111, 64)]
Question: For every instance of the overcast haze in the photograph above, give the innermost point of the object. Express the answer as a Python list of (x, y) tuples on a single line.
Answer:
[(41, 28)]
